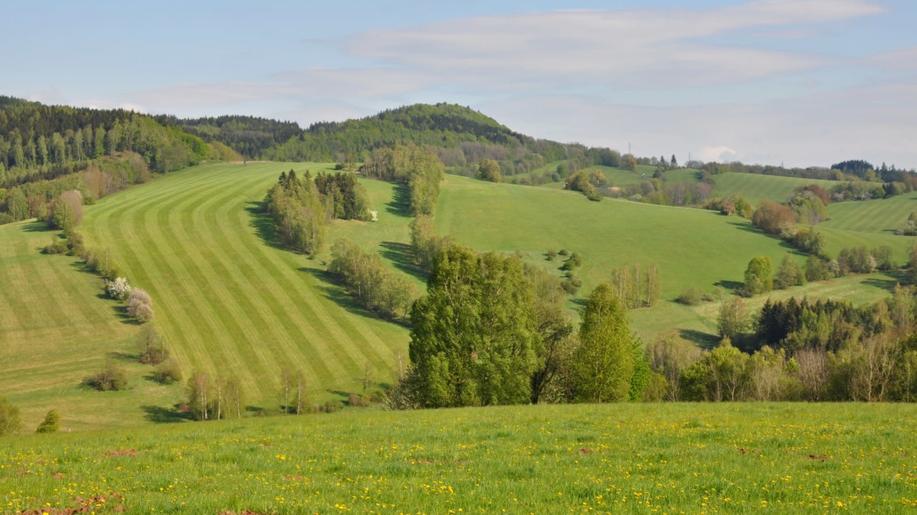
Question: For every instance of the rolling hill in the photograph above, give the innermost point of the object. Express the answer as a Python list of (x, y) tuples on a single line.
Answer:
[(228, 299)]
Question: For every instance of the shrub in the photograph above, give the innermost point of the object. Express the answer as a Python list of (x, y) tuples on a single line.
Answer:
[(689, 297), (118, 289), (9, 417), (152, 349), (733, 318), (774, 218), (50, 423), (57, 246), (789, 274), (167, 372), (817, 269), (140, 305), (810, 241), (489, 170), (758, 276), (110, 378)]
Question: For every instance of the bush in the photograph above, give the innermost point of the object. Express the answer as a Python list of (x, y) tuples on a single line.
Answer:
[(774, 218), (810, 241), (9, 417), (689, 297), (167, 372), (57, 246), (758, 276), (789, 274), (140, 305), (110, 378), (50, 423), (152, 348), (118, 289)]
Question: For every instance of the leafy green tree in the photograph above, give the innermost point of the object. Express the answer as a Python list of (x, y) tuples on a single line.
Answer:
[(733, 319), (9, 417), (473, 335), (789, 274), (758, 276), (50, 423), (489, 170), (603, 364)]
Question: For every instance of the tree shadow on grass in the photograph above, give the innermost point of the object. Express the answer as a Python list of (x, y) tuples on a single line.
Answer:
[(747, 227), (402, 255), (162, 415), (126, 357), (732, 286), (401, 201), (887, 283), (702, 339), (264, 225), (332, 290), (37, 226)]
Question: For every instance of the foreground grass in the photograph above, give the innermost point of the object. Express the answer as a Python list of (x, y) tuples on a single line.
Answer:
[(616, 458)]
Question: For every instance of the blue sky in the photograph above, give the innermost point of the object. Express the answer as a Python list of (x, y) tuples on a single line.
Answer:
[(801, 82)]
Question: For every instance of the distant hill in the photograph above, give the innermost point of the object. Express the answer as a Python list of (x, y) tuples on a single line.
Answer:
[(248, 135)]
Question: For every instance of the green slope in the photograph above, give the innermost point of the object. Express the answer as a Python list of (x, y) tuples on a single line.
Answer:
[(225, 297), (870, 223), (617, 458), (55, 330)]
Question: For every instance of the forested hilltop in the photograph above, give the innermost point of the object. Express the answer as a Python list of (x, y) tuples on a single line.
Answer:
[(48, 150)]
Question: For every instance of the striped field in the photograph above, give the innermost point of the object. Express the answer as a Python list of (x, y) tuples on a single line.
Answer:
[(870, 223), (55, 330), (227, 300)]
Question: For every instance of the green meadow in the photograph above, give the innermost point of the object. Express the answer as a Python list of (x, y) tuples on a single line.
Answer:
[(617, 458)]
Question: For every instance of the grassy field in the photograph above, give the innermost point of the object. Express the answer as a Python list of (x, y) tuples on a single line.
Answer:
[(756, 187), (54, 330), (227, 297), (870, 223), (622, 458)]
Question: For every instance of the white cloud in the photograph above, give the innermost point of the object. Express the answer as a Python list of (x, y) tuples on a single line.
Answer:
[(718, 153)]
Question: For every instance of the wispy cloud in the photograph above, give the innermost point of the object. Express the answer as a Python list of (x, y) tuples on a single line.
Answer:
[(562, 74)]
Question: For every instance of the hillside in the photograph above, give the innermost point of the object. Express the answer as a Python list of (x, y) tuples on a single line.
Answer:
[(227, 298), (870, 223), (55, 330), (620, 458)]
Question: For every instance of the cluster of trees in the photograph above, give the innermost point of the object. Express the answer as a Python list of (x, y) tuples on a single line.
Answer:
[(571, 261), (302, 207), (374, 285), (419, 169), (45, 150), (214, 399), (732, 205), (344, 197), (250, 136), (797, 350), (298, 211), (760, 276), (492, 330), (636, 286), (588, 183), (780, 220)]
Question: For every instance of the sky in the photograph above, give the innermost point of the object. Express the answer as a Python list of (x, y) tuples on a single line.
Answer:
[(794, 82)]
